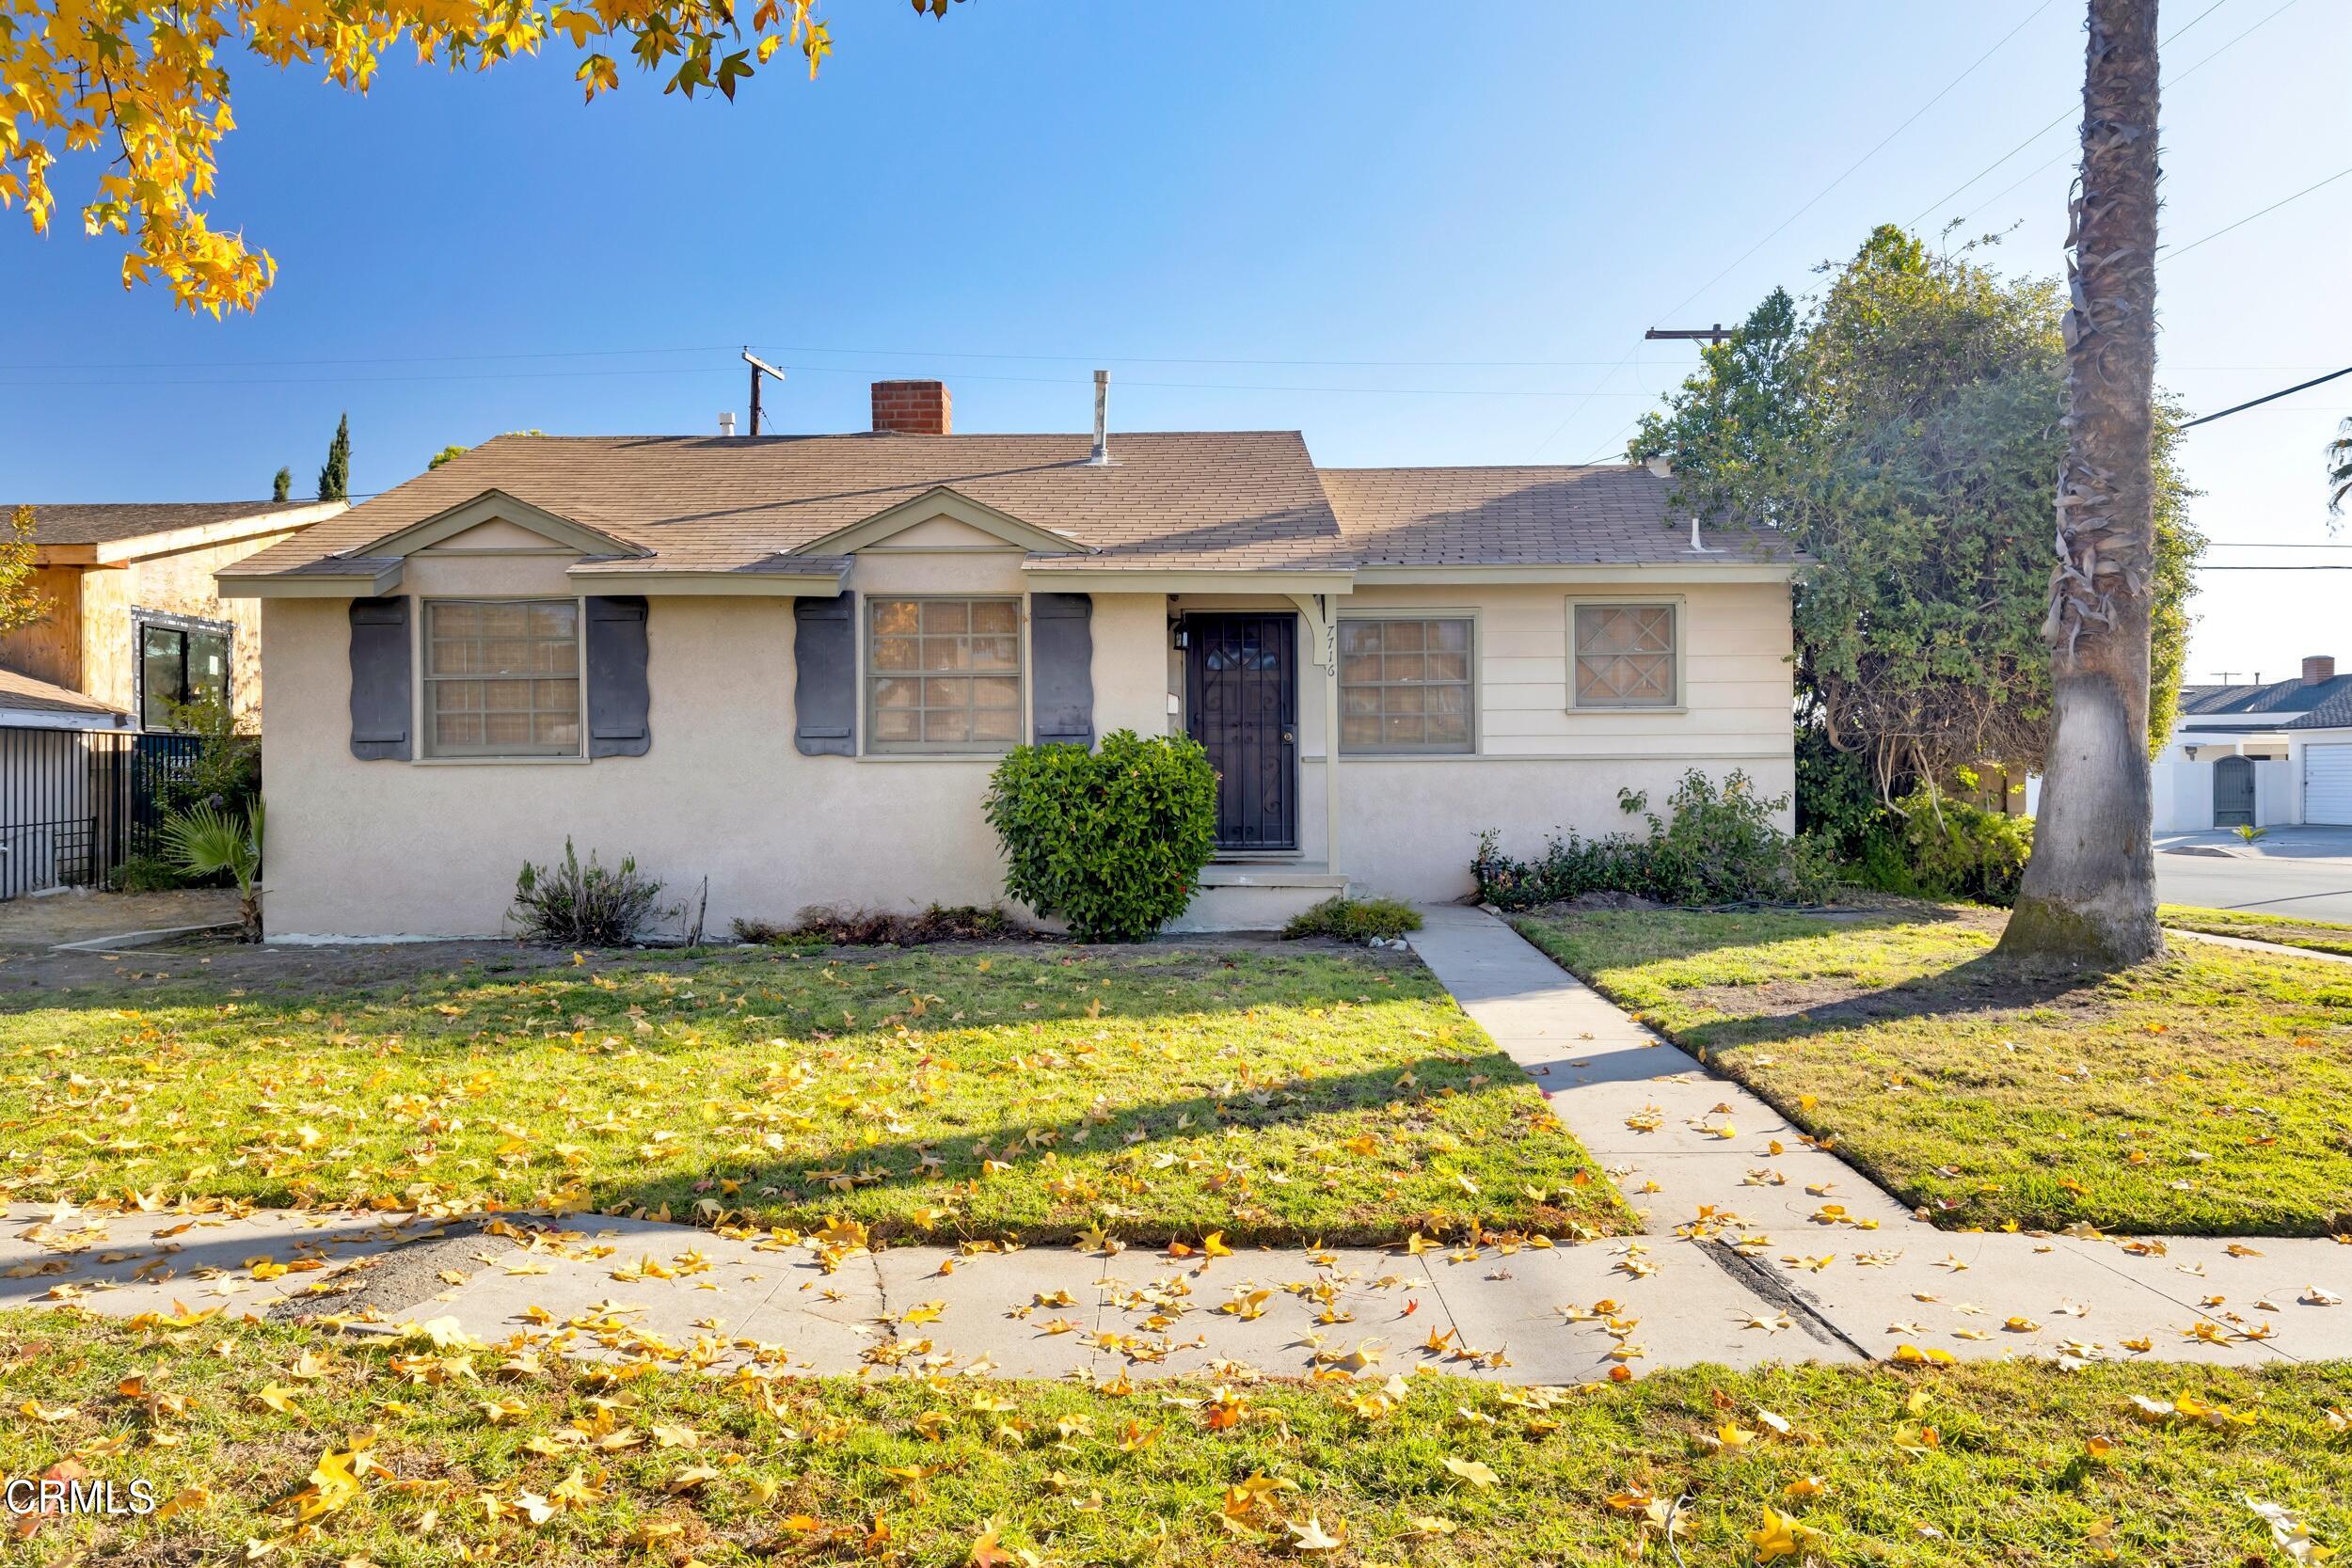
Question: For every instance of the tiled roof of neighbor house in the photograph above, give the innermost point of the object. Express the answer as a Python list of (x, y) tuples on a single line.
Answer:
[(2332, 712), (1571, 516), (1248, 501), (2284, 697), (24, 695), (73, 523)]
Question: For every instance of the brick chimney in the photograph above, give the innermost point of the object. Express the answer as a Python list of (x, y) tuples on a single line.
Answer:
[(912, 408), (2319, 667)]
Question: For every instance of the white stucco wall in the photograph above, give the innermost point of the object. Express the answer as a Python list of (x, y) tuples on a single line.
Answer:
[(432, 848)]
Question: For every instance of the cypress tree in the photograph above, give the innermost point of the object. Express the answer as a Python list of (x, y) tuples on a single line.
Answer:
[(335, 479)]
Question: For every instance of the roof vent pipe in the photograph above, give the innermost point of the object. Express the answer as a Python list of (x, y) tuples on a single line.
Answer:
[(1696, 547), (726, 423), (1101, 457)]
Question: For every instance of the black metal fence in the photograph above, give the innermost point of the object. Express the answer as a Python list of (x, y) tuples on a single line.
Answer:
[(75, 804)]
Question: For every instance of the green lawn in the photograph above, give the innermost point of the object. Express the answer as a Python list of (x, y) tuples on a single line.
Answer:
[(2211, 1092), (1275, 1094), (285, 1444), (2321, 935)]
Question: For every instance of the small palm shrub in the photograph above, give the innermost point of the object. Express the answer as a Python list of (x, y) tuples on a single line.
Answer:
[(572, 904), (1113, 840), (207, 841), (1355, 920)]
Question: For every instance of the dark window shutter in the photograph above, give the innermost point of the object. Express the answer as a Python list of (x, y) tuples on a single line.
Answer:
[(617, 698), (824, 692), (1061, 650), (380, 680)]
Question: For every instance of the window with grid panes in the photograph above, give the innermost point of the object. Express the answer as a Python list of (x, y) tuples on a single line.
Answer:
[(943, 674), (502, 678), (1625, 656), (1405, 685)]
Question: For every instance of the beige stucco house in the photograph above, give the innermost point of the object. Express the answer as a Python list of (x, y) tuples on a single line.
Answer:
[(786, 664)]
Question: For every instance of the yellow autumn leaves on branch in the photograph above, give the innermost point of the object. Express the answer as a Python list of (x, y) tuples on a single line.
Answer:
[(141, 89)]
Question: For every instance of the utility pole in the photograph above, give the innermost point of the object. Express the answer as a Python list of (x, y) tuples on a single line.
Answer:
[(1714, 334), (759, 368)]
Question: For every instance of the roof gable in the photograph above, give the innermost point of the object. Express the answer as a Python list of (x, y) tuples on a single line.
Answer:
[(894, 522), (495, 506)]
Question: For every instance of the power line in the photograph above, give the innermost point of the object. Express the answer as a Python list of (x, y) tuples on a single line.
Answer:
[(1857, 163), (2308, 566), (2267, 396), (862, 353), (2171, 81), (829, 370), (2175, 255), (2269, 545)]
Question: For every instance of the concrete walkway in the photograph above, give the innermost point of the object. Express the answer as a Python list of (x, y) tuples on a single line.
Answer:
[(1744, 1262)]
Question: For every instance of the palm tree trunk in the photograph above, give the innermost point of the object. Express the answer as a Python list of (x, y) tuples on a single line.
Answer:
[(2090, 892)]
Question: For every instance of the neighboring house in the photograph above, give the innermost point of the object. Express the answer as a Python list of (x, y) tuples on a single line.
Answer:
[(788, 664), (135, 622), (2259, 755)]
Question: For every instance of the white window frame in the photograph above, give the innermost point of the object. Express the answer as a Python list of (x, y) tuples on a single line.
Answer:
[(1477, 737), (1673, 605), (421, 661), (870, 743)]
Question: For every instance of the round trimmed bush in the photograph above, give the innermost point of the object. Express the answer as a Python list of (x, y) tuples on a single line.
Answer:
[(1112, 840)]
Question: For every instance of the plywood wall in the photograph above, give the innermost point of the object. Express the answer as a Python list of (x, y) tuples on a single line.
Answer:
[(51, 648)]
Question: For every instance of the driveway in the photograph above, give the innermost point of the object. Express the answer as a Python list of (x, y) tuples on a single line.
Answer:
[(40, 921), (2304, 872)]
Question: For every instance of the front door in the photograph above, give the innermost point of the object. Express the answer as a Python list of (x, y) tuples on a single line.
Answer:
[(2233, 793), (1241, 703)]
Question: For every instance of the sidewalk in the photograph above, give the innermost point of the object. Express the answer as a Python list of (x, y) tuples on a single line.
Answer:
[(1740, 1264)]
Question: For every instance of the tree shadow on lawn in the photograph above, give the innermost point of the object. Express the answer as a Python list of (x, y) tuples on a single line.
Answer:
[(998, 1177), (1989, 983)]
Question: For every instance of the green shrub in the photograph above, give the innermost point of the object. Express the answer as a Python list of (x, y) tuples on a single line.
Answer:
[(209, 841), (1719, 845), (1944, 849), (573, 905), (1355, 919), (1838, 803), (1112, 841), (852, 928)]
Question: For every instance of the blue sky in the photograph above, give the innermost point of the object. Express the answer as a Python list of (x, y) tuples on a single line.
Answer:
[(1419, 234)]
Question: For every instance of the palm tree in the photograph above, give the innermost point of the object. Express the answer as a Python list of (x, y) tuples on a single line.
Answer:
[(2339, 467), (2090, 892), (204, 841)]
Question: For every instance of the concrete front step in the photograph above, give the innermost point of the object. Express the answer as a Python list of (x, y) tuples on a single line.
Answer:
[(1256, 895)]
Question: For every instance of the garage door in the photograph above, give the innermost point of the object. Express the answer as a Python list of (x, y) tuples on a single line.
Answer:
[(2327, 785)]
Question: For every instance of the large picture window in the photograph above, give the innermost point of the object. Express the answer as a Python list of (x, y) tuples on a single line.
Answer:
[(1624, 656), (502, 678), (1405, 685), (181, 660), (943, 674)]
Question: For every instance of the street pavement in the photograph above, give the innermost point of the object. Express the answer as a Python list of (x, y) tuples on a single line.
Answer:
[(2304, 873)]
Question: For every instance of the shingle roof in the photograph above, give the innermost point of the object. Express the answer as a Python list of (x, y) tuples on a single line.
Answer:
[(1246, 500), (23, 693), (720, 503), (75, 523), (2281, 697), (1607, 516), (2332, 712)]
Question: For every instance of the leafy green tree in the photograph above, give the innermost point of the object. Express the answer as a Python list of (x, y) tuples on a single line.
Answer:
[(281, 487), (446, 454), (335, 479), (1904, 427)]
